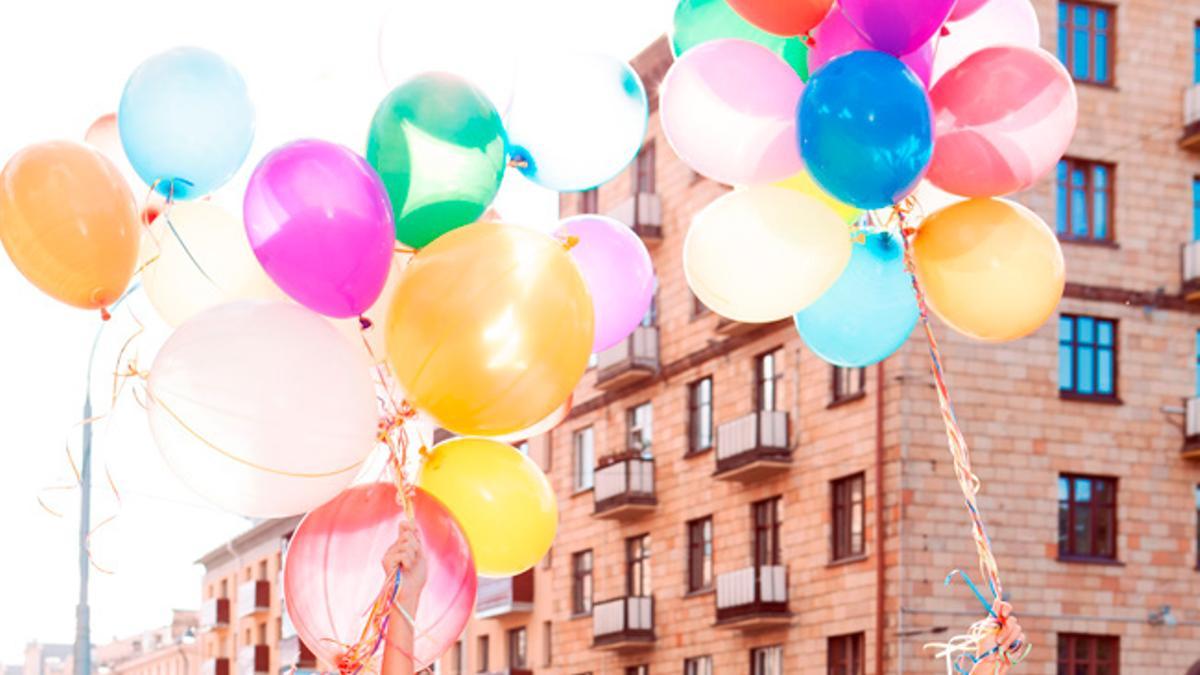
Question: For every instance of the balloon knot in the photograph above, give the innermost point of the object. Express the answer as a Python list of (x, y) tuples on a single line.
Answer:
[(364, 323), (945, 30), (518, 163), (570, 242), (809, 41), (104, 314)]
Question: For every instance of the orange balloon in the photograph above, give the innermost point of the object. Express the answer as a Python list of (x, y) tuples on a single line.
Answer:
[(69, 222), (783, 17), (990, 268), (490, 328)]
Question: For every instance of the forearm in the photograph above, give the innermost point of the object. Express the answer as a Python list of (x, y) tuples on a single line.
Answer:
[(398, 644)]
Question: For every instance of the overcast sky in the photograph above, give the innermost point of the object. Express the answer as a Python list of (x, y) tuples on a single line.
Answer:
[(313, 69)]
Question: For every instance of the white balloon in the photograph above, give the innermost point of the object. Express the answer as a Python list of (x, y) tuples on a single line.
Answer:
[(998, 22)]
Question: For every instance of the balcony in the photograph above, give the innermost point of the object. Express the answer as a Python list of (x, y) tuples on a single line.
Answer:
[(217, 666), (1190, 140), (643, 213), (214, 614), (293, 653), (753, 598), (753, 447), (1191, 271), (501, 597), (1191, 438), (623, 624), (630, 360), (254, 660), (253, 597), (624, 489)]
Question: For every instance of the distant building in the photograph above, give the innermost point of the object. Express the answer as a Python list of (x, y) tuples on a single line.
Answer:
[(48, 659), (167, 650)]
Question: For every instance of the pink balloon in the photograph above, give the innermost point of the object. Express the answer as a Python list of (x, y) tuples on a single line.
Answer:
[(1002, 120), (998, 22), (320, 222), (964, 8), (618, 272), (334, 571), (897, 26), (835, 35), (729, 111)]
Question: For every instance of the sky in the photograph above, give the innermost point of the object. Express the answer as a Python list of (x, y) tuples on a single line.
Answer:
[(314, 69)]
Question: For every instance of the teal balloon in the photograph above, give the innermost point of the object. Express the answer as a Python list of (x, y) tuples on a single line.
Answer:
[(869, 311), (700, 21), (866, 129), (438, 144), (186, 121)]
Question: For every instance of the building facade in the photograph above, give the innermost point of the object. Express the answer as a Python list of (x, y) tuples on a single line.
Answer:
[(167, 650), (731, 504)]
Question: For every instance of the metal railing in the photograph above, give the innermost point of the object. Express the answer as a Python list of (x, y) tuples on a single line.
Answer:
[(638, 350), (751, 586), (626, 478), (628, 616), (762, 429)]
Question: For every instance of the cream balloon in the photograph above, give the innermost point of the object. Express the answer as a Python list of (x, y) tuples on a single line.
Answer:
[(197, 257), (763, 253), (262, 408), (376, 346)]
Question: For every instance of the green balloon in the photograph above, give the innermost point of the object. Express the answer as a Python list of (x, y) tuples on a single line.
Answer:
[(700, 21), (438, 144)]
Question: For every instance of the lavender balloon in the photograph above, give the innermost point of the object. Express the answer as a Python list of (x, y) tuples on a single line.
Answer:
[(835, 35), (897, 26), (617, 270), (320, 223)]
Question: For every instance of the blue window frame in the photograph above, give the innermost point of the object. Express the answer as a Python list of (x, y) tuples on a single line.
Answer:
[(1086, 32), (1084, 200), (1196, 53), (1087, 357), (1196, 208)]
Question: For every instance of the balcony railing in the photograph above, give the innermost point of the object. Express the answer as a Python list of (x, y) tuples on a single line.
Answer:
[(643, 213), (632, 359), (500, 597), (753, 597), (214, 614), (1191, 429), (753, 447), (254, 660), (217, 666), (625, 488), (1191, 271), (253, 597), (1190, 140), (623, 623), (293, 653)]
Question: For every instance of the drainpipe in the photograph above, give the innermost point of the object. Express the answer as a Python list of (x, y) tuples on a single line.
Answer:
[(879, 525)]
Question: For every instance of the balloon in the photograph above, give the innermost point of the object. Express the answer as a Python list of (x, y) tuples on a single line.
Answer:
[(964, 8), (490, 329), (990, 268), (803, 183), (866, 130), (333, 572), (783, 17), (701, 21), (197, 257), (998, 22), (545, 426), (68, 221), (105, 137), (836, 36), (618, 272), (186, 121), (576, 120), (261, 407), (1003, 119), (437, 143), (501, 499), (897, 27), (729, 111), (869, 313), (319, 221), (764, 253), (376, 345)]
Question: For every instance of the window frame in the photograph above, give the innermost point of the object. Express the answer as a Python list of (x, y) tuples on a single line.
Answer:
[(1067, 547), (547, 644), (695, 406), (638, 576), (845, 654), (645, 436), (1066, 51), (701, 556), (762, 381), (845, 544), (698, 665), (1063, 225), (589, 201), (1072, 393), (837, 394), (583, 586), (582, 470), (483, 646), (1067, 642), (766, 534), (644, 172), (766, 650), (518, 647)]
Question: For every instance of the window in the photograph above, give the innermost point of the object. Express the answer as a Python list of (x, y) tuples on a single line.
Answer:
[(458, 659), (848, 517), (766, 380), (650, 318), (645, 169), (483, 654), (1087, 357), (767, 660), (637, 566), (518, 648), (638, 670), (846, 655), (1196, 53), (1084, 200), (639, 425), (700, 415), (698, 665), (581, 582), (589, 201), (523, 448), (848, 383), (1080, 654), (766, 532), (584, 443), (547, 644), (1087, 517), (700, 554), (1086, 33), (1196, 207)]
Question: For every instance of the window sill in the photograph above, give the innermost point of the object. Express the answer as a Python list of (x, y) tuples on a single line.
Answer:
[(1107, 86), (839, 402), (697, 453), (1089, 398), (578, 615), (700, 593), (850, 560), (1097, 243), (1084, 560)]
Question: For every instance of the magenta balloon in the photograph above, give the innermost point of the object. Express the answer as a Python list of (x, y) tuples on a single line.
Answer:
[(897, 26), (334, 571), (1002, 119), (617, 270), (320, 223), (964, 8), (835, 35)]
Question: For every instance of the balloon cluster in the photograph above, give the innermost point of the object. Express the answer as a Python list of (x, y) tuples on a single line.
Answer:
[(824, 113)]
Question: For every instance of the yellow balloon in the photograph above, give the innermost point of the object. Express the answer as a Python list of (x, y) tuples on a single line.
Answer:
[(990, 268), (805, 185), (501, 499), (490, 328)]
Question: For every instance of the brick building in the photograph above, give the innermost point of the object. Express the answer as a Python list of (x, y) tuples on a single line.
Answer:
[(731, 504), (166, 650)]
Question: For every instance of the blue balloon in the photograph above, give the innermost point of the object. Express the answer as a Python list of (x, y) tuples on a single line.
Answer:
[(186, 121), (869, 311), (866, 129)]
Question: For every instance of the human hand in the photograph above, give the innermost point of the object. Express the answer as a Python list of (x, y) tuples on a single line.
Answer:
[(1006, 641), (406, 555)]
